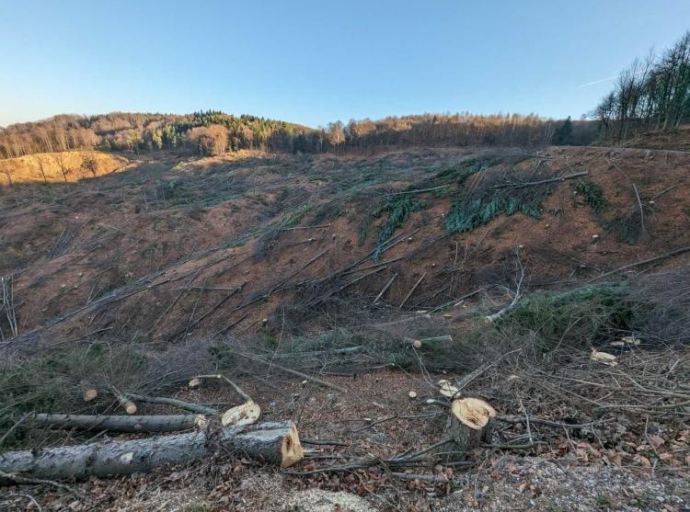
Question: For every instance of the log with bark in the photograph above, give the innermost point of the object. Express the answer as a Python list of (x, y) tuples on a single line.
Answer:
[(470, 424), (173, 402), (160, 423), (419, 343), (275, 443)]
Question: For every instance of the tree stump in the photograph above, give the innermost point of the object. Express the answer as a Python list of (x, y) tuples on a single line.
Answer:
[(469, 424)]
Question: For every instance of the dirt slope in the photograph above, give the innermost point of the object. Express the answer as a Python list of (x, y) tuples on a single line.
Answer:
[(62, 167), (175, 248)]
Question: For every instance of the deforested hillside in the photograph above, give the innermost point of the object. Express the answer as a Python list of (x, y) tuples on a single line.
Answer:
[(347, 286), (107, 248)]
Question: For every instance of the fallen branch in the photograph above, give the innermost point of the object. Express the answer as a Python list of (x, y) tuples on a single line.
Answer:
[(294, 372), (418, 191), (173, 402), (407, 297), (323, 226), (639, 204), (385, 288), (643, 262), (500, 314), (218, 376), (542, 182), (275, 443)]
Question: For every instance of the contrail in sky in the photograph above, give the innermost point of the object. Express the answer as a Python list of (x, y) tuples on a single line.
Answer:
[(597, 82)]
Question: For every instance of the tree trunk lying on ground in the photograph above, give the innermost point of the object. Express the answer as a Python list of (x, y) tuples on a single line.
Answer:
[(160, 423), (469, 424), (276, 443)]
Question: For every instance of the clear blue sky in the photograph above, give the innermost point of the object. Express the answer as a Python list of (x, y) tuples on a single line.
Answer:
[(313, 62)]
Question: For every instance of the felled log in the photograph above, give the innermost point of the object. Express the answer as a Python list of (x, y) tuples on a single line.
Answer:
[(419, 343), (275, 443), (129, 406), (162, 423), (173, 402), (88, 392), (470, 423)]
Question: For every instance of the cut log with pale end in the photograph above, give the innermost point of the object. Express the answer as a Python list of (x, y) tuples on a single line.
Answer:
[(419, 343), (173, 402), (469, 424), (88, 392), (161, 423), (274, 443), (245, 414), (129, 406)]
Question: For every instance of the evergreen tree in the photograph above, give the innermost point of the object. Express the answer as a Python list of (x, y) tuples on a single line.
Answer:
[(564, 134)]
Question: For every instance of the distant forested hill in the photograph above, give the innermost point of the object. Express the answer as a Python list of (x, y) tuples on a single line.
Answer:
[(212, 133)]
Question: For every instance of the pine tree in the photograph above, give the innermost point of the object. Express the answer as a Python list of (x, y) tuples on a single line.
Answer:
[(564, 134)]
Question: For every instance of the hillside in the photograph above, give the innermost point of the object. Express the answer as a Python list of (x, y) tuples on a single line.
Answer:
[(264, 217), (329, 265), (68, 166)]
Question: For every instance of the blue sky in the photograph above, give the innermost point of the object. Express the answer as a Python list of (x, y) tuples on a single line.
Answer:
[(313, 62)]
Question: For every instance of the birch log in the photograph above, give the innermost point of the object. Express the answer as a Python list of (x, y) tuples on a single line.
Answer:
[(275, 443)]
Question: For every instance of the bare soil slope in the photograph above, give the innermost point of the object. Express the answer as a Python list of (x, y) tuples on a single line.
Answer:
[(173, 267), (63, 167), (177, 248)]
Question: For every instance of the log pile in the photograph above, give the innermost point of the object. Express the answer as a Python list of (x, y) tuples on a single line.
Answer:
[(234, 431)]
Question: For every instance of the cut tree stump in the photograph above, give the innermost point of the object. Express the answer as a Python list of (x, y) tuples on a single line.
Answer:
[(469, 425), (159, 423), (275, 443)]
